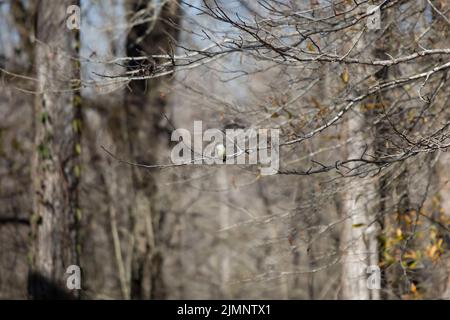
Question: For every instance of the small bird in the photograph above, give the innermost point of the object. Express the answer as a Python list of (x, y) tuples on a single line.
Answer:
[(221, 152)]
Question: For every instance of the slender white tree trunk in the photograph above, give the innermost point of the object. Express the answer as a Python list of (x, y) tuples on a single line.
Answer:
[(359, 238)]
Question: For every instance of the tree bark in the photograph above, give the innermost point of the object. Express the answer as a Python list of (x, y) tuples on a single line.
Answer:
[(360, 231), (148, 139), (359, 238), (55, 167)]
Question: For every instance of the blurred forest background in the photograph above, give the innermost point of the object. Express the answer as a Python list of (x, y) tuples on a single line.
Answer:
[(364, 168)]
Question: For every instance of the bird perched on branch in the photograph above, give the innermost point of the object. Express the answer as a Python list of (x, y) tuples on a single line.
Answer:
[(221, 152)]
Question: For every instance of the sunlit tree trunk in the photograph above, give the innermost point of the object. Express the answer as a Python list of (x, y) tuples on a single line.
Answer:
[(359, 243), (359, 239)]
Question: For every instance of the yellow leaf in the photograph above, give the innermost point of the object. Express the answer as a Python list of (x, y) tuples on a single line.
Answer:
[(310, 47), (408, 219), (431, 251), (410, 255), (345, 76), (413, 288)]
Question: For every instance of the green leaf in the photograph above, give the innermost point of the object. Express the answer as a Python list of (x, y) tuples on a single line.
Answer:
[(78, 149), (358, 225), (77, 171)]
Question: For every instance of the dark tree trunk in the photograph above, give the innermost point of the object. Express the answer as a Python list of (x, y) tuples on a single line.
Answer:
[(148, 138)]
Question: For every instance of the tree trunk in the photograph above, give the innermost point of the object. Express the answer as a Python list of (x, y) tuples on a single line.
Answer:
[(55, 167), (360, 231), (148, 139), (359, 239)]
